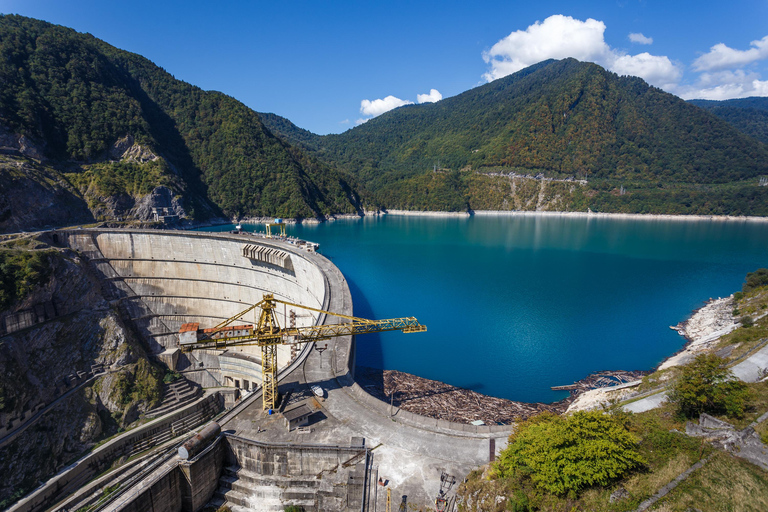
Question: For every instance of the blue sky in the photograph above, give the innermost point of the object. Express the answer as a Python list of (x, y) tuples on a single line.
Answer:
[(328, 65)]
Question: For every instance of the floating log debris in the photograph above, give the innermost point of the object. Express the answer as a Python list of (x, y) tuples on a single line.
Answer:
[(438, 400), (600, 380)]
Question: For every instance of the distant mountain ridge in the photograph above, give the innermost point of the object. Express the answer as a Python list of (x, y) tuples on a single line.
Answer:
[(640, 149), (748, 115), (90, 132), (72, 100)]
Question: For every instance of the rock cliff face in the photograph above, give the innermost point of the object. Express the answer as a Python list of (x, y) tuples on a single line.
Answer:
[(33, 196), (126, 149), (42, 362), (16, 143)]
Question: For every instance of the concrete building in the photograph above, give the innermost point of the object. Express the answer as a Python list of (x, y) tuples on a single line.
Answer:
[(297, 417)]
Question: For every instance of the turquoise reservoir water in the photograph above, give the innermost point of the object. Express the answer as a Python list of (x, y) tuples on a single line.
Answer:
[(516, 304)]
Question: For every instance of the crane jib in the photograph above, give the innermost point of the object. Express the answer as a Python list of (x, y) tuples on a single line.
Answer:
[(267, 334)]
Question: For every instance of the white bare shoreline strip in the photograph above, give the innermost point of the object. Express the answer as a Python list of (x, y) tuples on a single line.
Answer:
[(586, 215)]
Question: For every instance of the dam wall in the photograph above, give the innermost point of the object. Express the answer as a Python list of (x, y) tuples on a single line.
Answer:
[(163, 279)]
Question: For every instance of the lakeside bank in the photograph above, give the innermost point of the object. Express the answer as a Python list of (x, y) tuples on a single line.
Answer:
[(487, 213), (576, 215)]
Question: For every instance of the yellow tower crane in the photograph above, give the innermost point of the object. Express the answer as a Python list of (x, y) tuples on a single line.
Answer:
[(268, 335)]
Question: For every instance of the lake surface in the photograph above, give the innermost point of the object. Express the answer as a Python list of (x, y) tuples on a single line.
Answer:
[(516, 304)]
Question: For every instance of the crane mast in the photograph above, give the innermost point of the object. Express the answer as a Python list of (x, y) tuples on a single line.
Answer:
[(268, 334)]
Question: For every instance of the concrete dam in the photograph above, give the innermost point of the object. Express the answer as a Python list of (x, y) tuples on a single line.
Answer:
[(352, 446), (165, 279)]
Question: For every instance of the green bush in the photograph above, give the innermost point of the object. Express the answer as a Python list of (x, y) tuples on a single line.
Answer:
[(564, 455), (519, 502), (705, 385), (171, 376), (756, 279), (20, 272)]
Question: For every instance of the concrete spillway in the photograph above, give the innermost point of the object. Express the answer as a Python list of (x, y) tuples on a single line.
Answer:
[(164, 279)]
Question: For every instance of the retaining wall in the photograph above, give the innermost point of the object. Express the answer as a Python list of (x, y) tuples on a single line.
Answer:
[(163, 495), (274, 459), (202, 476), (185, 276), (135, 441)]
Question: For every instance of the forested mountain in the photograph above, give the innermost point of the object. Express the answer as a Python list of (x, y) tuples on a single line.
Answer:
[(748, 115), (89, 132), (112, 126), (639, 148)]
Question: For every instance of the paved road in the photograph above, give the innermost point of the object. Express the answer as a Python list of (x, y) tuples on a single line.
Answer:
[(752, 368), (749, 370)]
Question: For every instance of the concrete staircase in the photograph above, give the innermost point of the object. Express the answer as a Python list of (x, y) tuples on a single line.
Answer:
[(176, 394), (243, 490)]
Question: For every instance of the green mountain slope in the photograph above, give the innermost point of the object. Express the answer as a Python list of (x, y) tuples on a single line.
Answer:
[(638, 148), (748, 115), (82, 106)]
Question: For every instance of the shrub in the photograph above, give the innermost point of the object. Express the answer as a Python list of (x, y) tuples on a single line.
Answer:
[(705, 385), (756, 279), (22, 271), (563, 455)]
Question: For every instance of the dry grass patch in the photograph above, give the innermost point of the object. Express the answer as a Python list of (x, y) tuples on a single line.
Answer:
[(725, 483), (645, 485)]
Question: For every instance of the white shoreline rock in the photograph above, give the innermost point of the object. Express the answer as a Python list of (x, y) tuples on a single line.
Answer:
[(703, 330)]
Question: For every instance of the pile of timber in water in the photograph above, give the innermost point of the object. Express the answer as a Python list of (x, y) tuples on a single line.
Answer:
[(438, 400)]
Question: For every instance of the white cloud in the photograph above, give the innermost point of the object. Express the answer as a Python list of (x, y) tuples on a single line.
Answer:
[(654, 69), (637, 37), (725, 85), (433, 96), (378, 107), (346, 121), (721, 56), (362, 120), (760, 88), (558, 37)]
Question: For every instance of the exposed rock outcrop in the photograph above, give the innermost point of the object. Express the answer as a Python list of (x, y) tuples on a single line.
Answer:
[(14, 143), (745, 444), (33, 196), (703, 330), (127, 150), (161, 201)]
